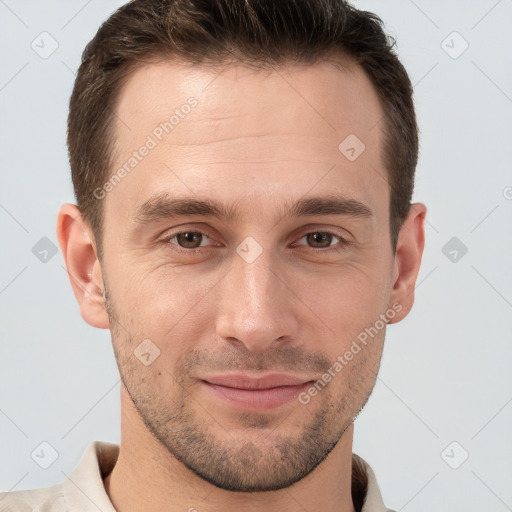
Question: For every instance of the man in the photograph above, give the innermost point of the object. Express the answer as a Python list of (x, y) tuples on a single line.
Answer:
[(243, 173)]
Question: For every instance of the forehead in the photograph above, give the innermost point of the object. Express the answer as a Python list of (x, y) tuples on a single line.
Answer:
[(330, 96), (232, 129)]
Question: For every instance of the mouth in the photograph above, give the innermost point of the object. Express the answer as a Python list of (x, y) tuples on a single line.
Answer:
[(262, 393)]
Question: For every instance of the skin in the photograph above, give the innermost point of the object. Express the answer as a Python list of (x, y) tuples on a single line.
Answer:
[(256, 139)]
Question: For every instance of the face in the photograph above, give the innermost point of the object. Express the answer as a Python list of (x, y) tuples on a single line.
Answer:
[(279, 267)]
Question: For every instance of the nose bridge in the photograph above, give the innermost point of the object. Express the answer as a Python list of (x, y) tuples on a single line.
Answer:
[(258, 285), (253, 307)]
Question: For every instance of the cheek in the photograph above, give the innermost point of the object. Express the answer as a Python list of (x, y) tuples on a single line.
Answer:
[(167, 307), (348, 299), (351, 305)]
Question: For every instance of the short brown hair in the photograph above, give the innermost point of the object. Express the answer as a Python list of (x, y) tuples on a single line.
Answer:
[(257, 32)]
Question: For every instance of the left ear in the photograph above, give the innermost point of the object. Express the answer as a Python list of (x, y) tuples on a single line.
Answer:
[(411, 241)]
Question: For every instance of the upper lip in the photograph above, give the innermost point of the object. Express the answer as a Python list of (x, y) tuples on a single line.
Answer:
[(244, 381)]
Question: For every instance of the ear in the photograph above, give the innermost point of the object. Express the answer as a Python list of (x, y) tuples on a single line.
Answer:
[(411, 241), (84, 269)]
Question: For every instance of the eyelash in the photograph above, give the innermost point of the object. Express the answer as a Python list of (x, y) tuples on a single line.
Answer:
[(167, 240)]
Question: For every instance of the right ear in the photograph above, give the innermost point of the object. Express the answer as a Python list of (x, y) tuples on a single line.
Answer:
[(82, 264)]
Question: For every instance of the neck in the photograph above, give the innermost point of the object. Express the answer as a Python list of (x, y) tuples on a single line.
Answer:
[(147, 477)]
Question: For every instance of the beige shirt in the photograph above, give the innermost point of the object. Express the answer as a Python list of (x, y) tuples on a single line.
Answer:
[(83, 490)]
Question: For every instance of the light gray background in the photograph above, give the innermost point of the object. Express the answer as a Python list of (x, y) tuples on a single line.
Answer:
[(446, 371)]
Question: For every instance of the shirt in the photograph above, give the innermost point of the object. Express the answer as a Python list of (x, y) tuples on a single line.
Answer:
[(84, 491)]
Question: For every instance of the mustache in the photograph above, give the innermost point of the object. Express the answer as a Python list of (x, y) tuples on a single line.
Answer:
[(280, 357)]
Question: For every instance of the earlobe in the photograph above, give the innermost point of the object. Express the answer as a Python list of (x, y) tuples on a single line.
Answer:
[(411, 242), (82, 264)]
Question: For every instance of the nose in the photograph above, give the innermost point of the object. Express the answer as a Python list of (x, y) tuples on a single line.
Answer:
[(256, 305)]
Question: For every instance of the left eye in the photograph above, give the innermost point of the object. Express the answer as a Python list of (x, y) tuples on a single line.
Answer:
[(321, 239)]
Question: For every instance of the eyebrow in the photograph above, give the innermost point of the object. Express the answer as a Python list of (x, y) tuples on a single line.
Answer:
[(163, 206)]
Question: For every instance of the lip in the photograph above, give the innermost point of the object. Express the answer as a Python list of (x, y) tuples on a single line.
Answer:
[(256, 393), (245, 381)]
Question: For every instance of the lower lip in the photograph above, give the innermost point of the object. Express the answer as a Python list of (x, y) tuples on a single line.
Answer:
[(259, 399)]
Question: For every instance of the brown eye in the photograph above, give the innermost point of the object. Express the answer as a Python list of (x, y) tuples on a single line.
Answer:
[(188, 242), (189, 239), (319, 239), (323, 240)]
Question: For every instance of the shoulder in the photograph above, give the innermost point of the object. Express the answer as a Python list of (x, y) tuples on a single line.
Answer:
[(82, 490), (49, 499)]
